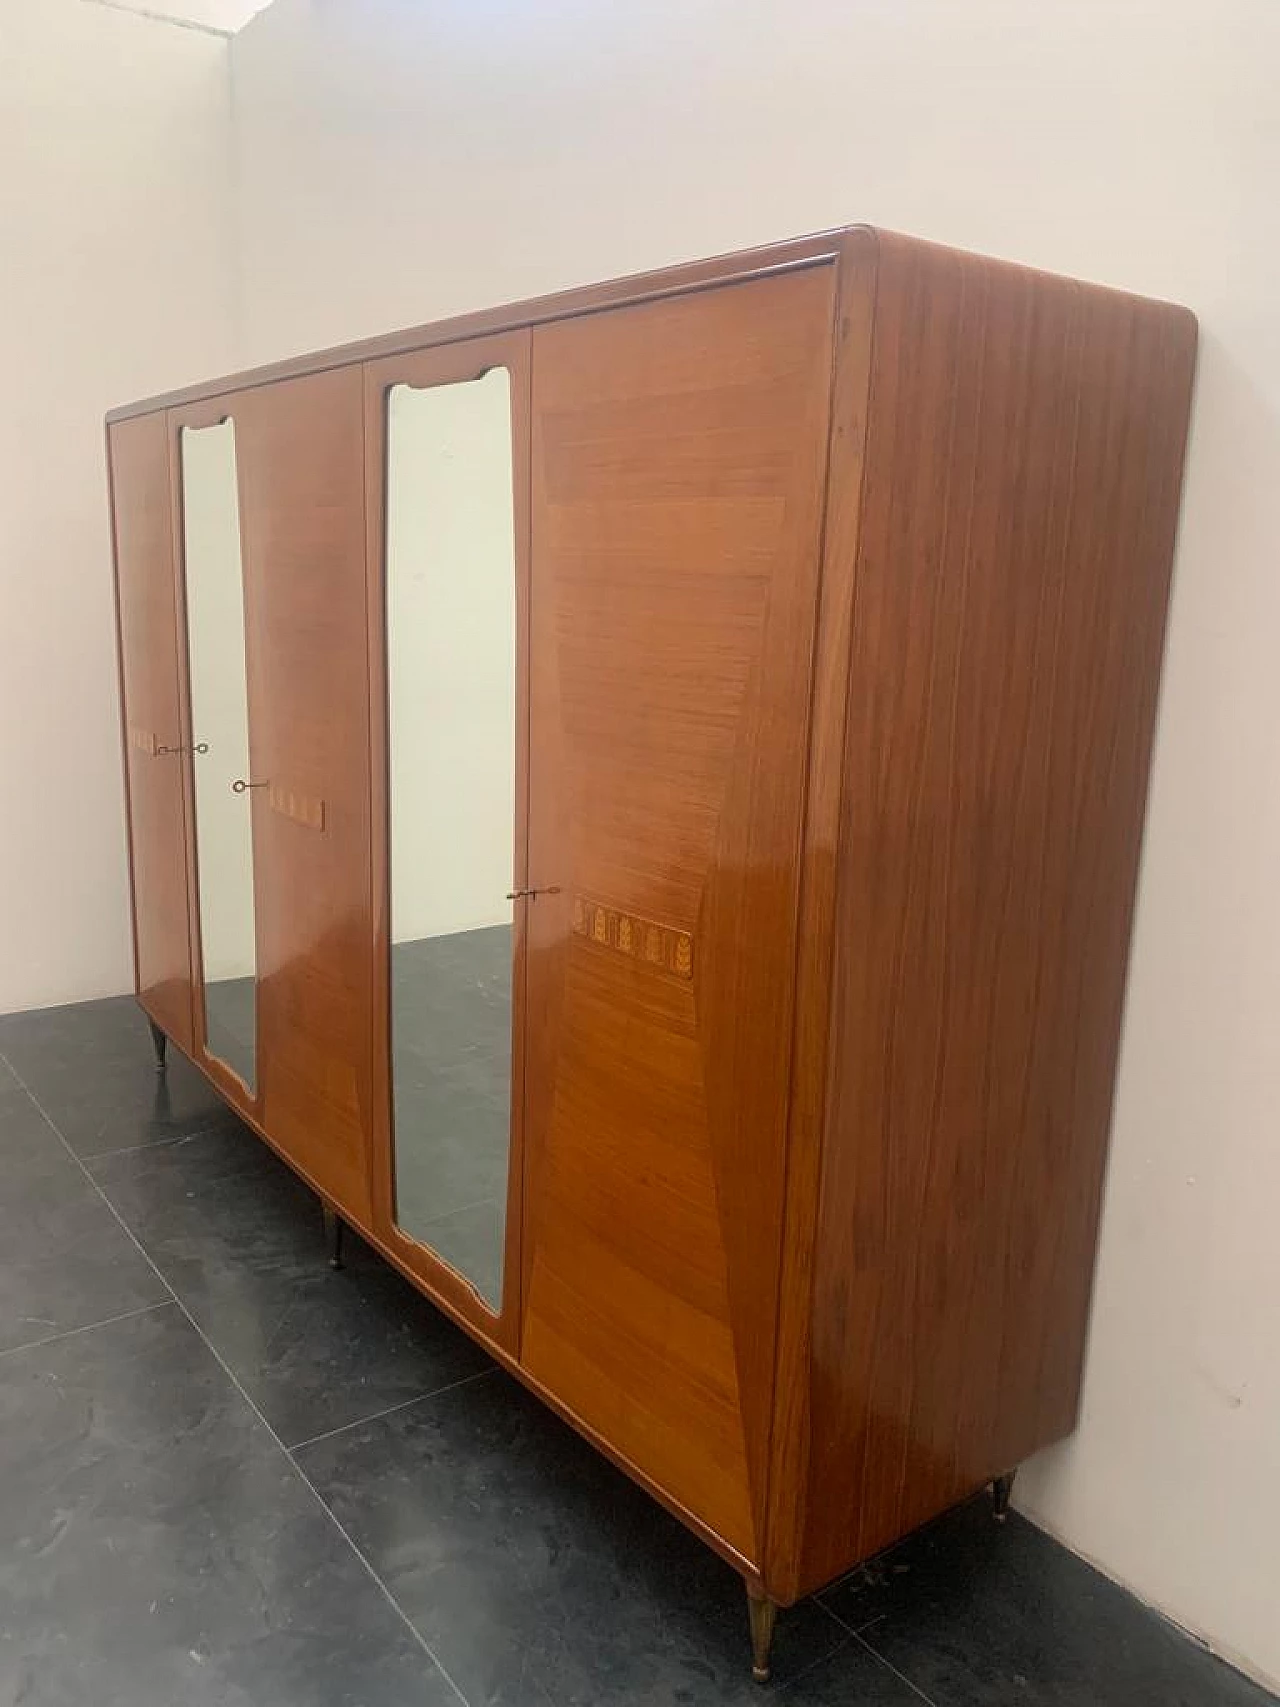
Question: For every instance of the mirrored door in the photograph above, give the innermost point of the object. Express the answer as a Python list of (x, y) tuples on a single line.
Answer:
[(454, 684), (218, 741)]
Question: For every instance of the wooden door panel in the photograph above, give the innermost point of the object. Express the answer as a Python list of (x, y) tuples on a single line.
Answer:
[(299, 447), (678, 451), (148, 642)]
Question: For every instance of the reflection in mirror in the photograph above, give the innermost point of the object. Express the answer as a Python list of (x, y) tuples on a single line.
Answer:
[(451, 654), (220, 733)]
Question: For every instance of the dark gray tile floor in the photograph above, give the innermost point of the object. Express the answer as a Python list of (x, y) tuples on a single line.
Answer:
[(451, 1061), (231, 1025), (81, 1064), (230, 1477)]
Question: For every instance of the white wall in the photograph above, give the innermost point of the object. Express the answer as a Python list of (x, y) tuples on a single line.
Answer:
[(403, 159), (451, 651), (219, 699), (115, 280)]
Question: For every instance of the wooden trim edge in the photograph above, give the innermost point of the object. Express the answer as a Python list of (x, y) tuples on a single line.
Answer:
[(513, 317)]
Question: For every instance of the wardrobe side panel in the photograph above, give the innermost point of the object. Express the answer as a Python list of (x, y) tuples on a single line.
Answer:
[(148, 653), (678, 467), (1024, 467), (300, 456), (788, 1459)]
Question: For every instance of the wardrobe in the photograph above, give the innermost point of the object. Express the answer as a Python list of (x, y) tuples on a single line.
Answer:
[(637, 797)]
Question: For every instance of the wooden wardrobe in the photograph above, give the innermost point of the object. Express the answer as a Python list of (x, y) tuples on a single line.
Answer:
[(820, 595)]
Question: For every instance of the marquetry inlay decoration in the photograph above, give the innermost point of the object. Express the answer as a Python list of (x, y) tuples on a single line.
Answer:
[(143, 740), (302, 808), (661, 947)]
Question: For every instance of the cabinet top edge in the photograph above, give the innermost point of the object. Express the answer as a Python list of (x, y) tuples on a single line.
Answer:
[(739, 266), (848, 242)]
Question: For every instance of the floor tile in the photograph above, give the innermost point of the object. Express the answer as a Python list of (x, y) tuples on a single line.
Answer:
[(537, 1571), (157, 1548), (451, 1060), (91, 1068), (979, 1614), (231, 1024), (240, 1240), (450, 1147), (473, 1242), (65, 1261), (850, 1677)]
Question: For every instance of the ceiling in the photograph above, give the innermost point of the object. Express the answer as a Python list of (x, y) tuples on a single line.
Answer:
[(224, 16)]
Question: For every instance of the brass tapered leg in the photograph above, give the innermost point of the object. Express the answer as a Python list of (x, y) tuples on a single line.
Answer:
[(762, 1613), (160, 1043), (1001, 1488), (333, 1235)]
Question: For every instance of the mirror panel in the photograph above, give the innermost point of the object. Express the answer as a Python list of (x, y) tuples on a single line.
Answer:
[(220, 736), (451, 684)]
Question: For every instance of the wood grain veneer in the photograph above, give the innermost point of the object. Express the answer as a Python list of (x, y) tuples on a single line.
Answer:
[(841, 587), (300, 459), (147, 642), (562, 305), (1018, 504), (678, 452)]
